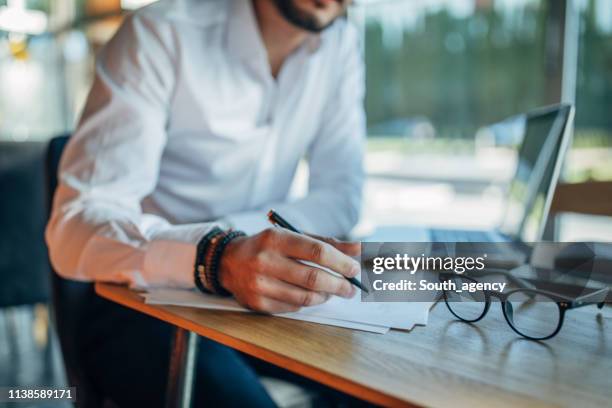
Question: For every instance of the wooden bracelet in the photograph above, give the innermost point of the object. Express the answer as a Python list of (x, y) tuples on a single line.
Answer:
[(200, 265), (216, 261)]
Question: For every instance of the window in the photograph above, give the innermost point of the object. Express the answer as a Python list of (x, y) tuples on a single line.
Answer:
[(591, 157), (440, 71), (457, 64)]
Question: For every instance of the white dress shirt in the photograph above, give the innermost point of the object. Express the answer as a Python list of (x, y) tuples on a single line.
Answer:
[(185, 128)]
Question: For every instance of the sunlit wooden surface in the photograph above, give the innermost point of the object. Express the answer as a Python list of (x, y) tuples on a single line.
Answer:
[(445, 363)]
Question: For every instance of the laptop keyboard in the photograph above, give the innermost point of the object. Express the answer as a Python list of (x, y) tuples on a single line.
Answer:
[(442, 235), (504, 252)]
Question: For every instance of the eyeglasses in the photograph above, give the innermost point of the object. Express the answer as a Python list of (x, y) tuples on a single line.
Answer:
[(532, 313)]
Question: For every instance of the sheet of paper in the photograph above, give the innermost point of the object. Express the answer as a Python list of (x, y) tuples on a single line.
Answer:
[(396, 315), (334, 322), (192, 298), (382, 315)]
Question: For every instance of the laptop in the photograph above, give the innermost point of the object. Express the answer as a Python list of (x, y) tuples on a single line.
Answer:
[(545, 140), (530, 193)]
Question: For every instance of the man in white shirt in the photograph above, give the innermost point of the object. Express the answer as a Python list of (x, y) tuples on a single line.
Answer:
[(197, 119)]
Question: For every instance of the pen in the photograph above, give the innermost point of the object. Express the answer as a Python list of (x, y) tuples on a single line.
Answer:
[(276, 219)]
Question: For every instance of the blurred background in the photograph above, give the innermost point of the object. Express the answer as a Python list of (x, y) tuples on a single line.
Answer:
[(439, 72), (445, 78)]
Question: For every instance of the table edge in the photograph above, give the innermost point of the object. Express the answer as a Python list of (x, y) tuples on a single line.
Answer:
[(364, 392)]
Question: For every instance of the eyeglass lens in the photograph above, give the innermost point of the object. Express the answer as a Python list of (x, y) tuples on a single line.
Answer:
[(468, 306), (532, 316)]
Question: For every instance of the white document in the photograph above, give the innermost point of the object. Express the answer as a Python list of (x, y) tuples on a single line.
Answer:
[(334, 322), (193, 298), (397, 315), (353, 314)]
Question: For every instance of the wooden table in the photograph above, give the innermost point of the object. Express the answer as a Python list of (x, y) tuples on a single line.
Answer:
[(445, 363)]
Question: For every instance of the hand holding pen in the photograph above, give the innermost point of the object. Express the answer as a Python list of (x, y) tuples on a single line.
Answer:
[(266, 272), (276, 219)]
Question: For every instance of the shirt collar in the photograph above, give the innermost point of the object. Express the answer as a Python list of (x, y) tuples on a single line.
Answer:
[(243, 36)]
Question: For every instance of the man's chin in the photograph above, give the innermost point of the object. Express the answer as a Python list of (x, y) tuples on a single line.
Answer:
[(311, 21), (316, 25)]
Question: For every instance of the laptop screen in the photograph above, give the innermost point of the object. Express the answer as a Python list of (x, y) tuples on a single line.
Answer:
[(536, 174)]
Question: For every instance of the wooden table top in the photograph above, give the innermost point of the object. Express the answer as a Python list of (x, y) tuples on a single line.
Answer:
[(447, 362)]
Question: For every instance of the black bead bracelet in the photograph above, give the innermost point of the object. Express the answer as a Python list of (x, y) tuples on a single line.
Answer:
[(200, 268), (216, 261)]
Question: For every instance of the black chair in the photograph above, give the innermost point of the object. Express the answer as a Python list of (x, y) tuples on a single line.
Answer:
[(24, 269), (68, 299)]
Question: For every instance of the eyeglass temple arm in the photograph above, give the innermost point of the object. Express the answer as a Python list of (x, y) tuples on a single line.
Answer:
[(518, 282), (598, 297)]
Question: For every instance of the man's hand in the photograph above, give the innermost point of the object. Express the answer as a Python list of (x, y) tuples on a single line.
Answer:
[(262, 272)]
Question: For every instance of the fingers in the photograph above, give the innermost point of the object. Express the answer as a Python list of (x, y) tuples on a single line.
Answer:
[(263, 274), (268, 305), (311, 278), (267, 294), (322, 253), (352, 249), (290, 294)]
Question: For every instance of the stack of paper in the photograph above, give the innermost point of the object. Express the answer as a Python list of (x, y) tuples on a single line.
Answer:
[(349, 313)]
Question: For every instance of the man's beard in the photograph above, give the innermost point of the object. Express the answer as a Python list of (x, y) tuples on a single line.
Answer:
[(300, 19)]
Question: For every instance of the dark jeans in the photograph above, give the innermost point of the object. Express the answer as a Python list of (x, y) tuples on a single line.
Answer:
[(126, 354)]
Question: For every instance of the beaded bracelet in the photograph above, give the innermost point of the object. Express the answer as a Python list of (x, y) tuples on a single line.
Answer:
[(213, 267), (209, 259), (200, 265)]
